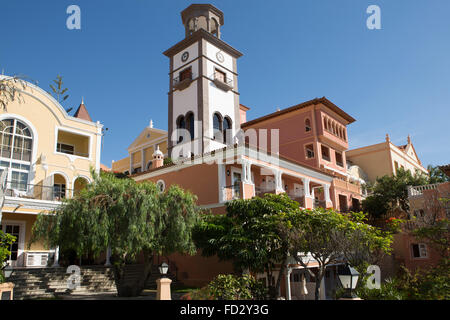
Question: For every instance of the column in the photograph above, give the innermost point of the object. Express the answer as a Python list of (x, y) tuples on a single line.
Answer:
[(248, 187), (309, 200), (56, 259), (278, 182), (326, 189), (288, 283), (108, 257)]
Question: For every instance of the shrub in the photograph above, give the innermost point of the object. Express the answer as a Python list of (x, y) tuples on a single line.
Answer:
[(230, 287), (5, 243)]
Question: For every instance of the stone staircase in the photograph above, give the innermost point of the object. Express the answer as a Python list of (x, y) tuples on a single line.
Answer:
[(35, 283), (50, 282)]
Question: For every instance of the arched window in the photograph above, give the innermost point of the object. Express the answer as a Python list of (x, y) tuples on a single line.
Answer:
[(15, 152), (214, 27), (325, 123), (181, 124), (190, 124), (307, 125), (149, 165), (227, 130), (217, 127)]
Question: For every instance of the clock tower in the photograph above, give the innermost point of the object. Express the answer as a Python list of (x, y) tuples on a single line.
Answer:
[(203, 87)]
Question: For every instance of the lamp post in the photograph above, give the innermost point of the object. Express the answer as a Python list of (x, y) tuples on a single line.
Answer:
[(163, 268), (348, 277), (163, 283)]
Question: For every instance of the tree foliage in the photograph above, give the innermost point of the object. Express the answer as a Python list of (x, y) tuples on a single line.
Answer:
[(59, 92), (250, 235), (260, 235), (128, 217), (331, 238), (436, 175), (6, 240), (11, 89), (390, 193)]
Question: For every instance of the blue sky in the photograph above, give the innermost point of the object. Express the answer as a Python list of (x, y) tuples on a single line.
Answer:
[(395, 80)]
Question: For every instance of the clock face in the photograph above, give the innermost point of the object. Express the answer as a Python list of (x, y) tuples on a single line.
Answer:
[(220, 57), (185, 56)]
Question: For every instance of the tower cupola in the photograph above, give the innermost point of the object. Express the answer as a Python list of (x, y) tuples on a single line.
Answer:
[(158, 159), (202, 16)]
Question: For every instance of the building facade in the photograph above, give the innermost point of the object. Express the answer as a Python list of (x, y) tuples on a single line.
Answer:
[(45, 156), (140, 152), (386, 158)]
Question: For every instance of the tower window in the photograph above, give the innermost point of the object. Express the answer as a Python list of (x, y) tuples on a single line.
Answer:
[(221, 76), (339, 161), (217, 127), (325, 153), (307, 125), (190, 124), (309, 151), (186, 74), (227, 132)]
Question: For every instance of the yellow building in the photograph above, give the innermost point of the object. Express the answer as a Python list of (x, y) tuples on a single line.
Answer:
[(140, 152), (385, 159), (45, 155)]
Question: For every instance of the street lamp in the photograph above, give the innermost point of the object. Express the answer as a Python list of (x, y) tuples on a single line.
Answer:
[(163, 268), (349, 278)]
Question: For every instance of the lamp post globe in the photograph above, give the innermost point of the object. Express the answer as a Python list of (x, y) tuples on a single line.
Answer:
[(163, 268), (348, 277)]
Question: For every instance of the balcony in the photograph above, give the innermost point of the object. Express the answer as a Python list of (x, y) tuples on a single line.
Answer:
[(36, 192), (222, 82), (418, 191), (182, 82), (72, 144)]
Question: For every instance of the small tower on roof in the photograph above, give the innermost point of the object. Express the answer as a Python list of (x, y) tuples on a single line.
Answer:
[(202, 16), (82, 112), (158, 158)]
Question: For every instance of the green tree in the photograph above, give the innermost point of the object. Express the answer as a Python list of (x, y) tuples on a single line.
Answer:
[(128, 217), (390, 193), (251, 234), (11, 89), (6, 240), (59, 92), (330, 238), (436, 175)]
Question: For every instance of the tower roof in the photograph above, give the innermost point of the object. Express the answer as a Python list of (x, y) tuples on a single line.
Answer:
[(82, 112), (201, 9)]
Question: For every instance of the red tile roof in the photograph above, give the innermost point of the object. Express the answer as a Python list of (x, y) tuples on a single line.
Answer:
[(82, 113)]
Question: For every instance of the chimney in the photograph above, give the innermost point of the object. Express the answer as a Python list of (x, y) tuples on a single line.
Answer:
[(158, 158)]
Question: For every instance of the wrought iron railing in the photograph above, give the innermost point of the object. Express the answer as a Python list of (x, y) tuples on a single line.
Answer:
[(36, 191)]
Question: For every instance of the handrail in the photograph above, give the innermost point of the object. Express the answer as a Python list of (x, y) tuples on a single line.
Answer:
[(35, 191)]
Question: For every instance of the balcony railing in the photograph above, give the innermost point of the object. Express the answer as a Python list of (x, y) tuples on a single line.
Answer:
[(36, 192), (418, 191), (221, 82), (232, 192), (261, 191), (181, 83), (72, 152), (320, 204)]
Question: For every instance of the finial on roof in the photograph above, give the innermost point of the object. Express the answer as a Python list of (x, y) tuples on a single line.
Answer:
[(82, 100), (409, 139), (151, 123), (387, 137)]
